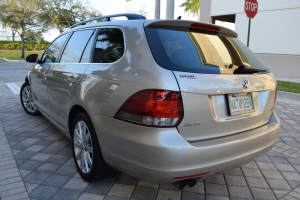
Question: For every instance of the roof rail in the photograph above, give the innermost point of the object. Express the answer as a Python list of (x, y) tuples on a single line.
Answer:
[(107, 18)]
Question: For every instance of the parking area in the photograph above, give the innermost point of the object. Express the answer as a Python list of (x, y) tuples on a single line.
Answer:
[(36, 163)]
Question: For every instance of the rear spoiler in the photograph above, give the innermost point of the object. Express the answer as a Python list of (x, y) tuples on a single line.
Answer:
[(194, 26)]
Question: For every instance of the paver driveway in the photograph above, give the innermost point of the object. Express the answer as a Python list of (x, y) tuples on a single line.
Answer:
[(36, 163)]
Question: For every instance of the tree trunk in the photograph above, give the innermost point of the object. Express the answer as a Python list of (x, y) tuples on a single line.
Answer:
[(13, 36), (60, 29), (23, 47)]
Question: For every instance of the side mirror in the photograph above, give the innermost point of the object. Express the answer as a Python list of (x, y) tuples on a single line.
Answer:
[(32, 57)]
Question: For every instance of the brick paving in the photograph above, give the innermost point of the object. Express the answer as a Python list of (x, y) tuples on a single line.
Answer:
[(36, 163)]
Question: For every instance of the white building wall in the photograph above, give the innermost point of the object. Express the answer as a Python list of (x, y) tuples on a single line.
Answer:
[(275, 29), (7, 35), (222, 7), (274, 33)]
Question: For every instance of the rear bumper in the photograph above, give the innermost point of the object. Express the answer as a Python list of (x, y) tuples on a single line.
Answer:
[(159, 154)]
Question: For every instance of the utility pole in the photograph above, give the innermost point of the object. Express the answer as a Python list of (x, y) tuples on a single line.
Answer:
[(170, 9), (157, 9)]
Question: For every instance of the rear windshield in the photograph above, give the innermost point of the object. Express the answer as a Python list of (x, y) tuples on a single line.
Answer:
[(200, 53)]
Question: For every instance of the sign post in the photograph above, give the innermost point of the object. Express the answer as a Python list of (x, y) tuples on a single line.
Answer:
[(251, 8)]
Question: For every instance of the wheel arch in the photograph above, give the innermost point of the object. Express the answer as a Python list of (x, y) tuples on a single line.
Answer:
[(72, 114)]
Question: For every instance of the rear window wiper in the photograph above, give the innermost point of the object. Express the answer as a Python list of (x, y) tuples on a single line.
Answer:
[(242, 69)]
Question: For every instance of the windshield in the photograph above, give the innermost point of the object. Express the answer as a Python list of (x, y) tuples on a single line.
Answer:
[(199, 52)]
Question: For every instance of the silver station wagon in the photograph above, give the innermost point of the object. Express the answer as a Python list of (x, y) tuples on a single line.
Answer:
[(167, 101)]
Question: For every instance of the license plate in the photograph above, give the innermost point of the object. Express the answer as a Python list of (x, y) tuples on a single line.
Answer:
[(240, 103)]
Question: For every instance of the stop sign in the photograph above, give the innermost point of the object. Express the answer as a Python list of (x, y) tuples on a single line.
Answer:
[(251, 8)]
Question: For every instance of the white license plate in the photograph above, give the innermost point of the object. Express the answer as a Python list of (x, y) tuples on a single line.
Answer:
[(240, 103)]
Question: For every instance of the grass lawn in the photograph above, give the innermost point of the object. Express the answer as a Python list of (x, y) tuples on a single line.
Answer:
[(288, 86), (16, 54)]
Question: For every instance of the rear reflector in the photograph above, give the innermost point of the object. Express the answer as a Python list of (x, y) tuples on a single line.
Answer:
[(192, 176), (153, 108)]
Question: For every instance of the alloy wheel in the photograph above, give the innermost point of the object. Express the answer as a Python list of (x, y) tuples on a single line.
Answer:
[(83, 147), (27, 99)]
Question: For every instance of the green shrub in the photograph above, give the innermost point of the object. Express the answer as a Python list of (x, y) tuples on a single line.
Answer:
[(19, 42), (12, 46), (44, 46), (28, 47), (40, 47)]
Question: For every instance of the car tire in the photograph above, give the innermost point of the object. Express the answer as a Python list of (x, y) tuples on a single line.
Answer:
[(86, 150), (27, 100)]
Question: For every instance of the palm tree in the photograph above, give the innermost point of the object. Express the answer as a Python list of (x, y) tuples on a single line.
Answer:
[(191, 6)]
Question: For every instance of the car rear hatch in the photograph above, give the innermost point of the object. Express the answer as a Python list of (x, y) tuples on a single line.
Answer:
[(225, 88)]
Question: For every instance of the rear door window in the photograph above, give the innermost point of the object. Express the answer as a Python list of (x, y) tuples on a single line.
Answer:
[(86, 56), (75, 46), (109, 45), (198, 52)]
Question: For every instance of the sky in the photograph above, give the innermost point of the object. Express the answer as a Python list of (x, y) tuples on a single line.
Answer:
[(107, 7)]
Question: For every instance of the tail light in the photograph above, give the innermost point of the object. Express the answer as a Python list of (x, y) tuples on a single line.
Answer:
[(204, 28), (159, 108)]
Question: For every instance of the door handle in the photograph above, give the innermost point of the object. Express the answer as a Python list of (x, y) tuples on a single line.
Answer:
[(71, 79)]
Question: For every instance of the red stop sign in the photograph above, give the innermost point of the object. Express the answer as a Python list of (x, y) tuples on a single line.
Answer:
[(251, 8)]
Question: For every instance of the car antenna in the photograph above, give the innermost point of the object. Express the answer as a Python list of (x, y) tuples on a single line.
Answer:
[(179, 17)]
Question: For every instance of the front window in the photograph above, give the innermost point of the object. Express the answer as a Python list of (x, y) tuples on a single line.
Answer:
[(51, 53)]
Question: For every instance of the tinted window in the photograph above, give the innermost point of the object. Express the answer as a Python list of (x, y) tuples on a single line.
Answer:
[(199, 52), (109, 45), (52, 52), (88, 50), (75, 46)]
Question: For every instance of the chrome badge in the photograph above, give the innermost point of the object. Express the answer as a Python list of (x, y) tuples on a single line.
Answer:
[(192, 124), (245, 83)]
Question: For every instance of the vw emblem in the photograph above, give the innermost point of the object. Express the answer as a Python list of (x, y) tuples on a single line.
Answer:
[(245, 83)]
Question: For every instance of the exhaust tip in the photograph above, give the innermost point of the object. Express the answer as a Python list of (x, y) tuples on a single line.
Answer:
[(180, 185), (192, 183)]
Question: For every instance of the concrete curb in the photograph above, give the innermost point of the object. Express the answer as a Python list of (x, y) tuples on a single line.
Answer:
[(288, 96), (288, 79), (13, 60)]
